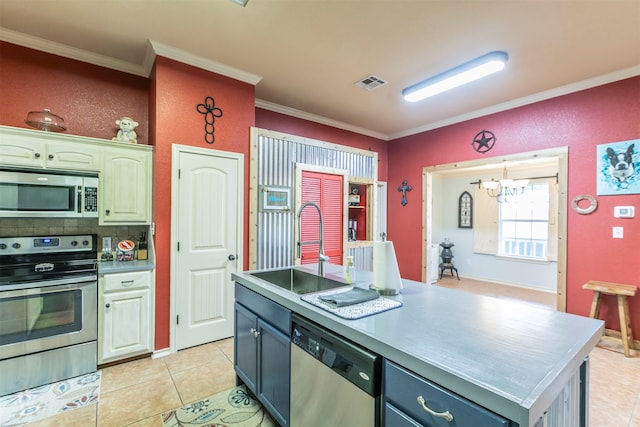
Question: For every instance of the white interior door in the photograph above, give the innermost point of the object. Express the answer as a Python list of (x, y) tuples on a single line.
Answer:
[(209, 228)]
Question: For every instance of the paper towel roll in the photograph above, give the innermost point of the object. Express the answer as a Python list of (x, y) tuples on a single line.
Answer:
[(386, 274)]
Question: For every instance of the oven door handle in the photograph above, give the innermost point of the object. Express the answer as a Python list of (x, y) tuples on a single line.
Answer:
[(72, 282)]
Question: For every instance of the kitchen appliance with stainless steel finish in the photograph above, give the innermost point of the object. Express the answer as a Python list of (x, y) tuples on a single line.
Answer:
[(334, 382), (48, 309), (34, 193)]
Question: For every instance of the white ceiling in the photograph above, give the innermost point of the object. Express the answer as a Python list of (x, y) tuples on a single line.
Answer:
[(307, 54)]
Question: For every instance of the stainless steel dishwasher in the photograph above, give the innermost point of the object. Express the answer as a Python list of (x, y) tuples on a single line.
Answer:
[(334, 382)]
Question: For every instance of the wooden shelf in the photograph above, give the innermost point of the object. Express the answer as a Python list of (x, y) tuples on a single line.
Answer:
[(362, 213)]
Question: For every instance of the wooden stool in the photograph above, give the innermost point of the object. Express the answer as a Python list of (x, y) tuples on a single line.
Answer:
[(622, 292)]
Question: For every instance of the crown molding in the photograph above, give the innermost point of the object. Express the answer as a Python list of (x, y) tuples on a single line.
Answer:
[(288, 111), (70, 52), (204, 63), (155, 48), (520, 102)]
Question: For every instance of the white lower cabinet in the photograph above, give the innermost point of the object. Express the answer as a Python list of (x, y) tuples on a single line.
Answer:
[(126, 315)]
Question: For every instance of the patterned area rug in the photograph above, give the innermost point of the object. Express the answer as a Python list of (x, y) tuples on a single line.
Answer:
[(41, 402), (235, 407)]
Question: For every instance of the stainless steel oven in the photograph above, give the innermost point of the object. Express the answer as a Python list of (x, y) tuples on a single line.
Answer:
[(48, 309)]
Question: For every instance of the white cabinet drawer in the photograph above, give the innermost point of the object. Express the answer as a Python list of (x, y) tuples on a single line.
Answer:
[(125, 281)]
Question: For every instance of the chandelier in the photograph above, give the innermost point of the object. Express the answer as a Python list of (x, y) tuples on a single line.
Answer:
[(505, 188)]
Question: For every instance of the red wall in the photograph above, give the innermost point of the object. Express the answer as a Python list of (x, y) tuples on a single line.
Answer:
[(581, 121), (266, 119), (89, 98), (176, 91)]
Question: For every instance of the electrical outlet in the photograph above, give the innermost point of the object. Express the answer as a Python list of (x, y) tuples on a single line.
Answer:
[(106, 244), (618, 232)]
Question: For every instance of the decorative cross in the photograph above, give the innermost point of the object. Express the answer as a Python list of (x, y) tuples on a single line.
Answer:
[(210, 111), (404, 188)]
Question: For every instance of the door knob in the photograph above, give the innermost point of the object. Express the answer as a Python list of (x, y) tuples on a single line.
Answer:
[(232, 257)]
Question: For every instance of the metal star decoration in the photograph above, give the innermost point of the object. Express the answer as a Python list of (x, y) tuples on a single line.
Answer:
[(483, 141)]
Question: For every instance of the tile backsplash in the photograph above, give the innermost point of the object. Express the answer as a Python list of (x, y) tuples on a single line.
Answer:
[(10, 227)]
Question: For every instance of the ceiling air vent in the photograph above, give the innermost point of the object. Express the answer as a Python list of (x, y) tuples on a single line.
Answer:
[(370, 82)]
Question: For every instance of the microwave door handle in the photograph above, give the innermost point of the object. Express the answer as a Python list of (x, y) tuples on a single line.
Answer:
[(79, 205)]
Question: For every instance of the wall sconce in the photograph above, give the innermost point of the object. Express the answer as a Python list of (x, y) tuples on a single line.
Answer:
[(462, 74)]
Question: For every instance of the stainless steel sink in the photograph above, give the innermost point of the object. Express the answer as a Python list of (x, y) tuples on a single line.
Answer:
[(298, 281)]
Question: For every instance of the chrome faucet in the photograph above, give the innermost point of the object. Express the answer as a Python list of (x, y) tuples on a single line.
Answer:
[(322, 258)]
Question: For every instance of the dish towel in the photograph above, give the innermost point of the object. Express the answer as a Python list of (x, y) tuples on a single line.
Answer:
[(350, 297), (355, 311)]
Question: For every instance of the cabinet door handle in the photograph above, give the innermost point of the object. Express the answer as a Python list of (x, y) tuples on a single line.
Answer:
[(444, 415), (107, 305), (254, 332), (36, 155), (107, 212), (50, 156)]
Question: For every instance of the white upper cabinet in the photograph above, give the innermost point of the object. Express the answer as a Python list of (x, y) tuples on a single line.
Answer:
[(125, 170), (38, 149), (125, 190), (69, 156)]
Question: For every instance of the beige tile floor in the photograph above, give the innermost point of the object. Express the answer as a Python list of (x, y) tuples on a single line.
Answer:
[(136, 393)]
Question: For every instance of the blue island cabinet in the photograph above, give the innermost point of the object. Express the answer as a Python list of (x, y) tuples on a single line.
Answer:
[(412, 401), (262, 350)]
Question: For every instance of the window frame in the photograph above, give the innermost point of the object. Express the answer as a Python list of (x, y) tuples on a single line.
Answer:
[(531, 220)]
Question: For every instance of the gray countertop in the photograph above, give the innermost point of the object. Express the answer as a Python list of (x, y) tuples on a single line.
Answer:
[(509, 356), (109, 267)]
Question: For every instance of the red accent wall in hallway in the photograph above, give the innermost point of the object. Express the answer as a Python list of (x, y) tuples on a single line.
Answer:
[(581, 120), (176, 91)]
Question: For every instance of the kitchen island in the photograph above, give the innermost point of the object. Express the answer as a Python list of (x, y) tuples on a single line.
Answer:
[(518, 360)]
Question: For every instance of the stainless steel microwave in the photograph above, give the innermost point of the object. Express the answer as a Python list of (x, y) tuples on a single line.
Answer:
[(48, 194)]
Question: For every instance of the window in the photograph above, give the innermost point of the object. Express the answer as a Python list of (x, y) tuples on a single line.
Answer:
[(524, 224)]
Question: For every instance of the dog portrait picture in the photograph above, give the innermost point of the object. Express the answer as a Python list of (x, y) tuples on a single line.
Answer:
[(618, 168)]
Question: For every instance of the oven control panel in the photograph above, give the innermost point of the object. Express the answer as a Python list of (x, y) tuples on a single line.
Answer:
[(46, 242), (41, 244)]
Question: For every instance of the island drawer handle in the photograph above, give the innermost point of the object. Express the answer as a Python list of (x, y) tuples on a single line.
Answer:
[(445, 415), (126, 283)]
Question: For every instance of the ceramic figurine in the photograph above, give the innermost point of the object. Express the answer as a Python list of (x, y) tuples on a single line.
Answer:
[(126, 132)]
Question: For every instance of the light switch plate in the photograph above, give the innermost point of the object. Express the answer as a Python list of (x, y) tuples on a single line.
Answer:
[(618, 232)]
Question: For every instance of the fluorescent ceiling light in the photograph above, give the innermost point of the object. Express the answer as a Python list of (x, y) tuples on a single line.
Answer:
[(465, 73)]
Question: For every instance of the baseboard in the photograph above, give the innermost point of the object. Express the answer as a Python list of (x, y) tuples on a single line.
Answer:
[(161, 353), (617, 335), (513, 285)]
